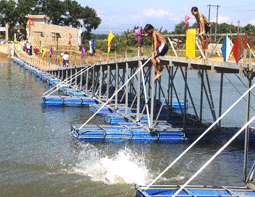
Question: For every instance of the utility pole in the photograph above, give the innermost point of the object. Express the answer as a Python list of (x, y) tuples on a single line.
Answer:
[(238, 26), (217, 15), (209, 19)]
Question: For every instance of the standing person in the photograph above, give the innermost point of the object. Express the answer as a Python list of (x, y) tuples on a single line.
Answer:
[(66, 59), (28, 48), (160, 47), (203, 25)]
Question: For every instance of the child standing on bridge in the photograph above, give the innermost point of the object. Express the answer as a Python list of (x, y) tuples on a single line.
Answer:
[(203, 25), (160, 47)]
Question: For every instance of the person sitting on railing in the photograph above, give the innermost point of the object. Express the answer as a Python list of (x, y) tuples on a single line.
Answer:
[(160, 47), (66, 59), (203, 25)]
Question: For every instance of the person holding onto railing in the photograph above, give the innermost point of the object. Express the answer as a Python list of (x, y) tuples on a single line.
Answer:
[(160, 47), (203, 25)]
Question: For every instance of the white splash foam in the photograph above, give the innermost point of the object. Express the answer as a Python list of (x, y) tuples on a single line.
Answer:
[(124, 167)]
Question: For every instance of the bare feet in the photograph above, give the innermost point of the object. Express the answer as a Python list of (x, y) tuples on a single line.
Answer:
[(157, 76)]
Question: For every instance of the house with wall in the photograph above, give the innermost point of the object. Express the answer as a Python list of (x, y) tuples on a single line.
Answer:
[(47, 35)]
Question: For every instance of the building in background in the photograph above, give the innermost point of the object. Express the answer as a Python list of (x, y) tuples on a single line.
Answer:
[(47, 35)]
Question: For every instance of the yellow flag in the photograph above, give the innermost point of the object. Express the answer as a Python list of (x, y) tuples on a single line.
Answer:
[(191, 44), (44, 52), (110, 37)]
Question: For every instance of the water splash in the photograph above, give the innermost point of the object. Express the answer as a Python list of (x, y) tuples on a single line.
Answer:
[(123, 167)]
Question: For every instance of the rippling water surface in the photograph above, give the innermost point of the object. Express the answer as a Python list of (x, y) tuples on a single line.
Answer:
[(38, 157)]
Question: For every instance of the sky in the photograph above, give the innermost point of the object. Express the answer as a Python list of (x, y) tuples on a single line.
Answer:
[(122, 15)]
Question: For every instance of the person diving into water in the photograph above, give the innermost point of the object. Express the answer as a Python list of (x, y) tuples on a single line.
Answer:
[(160, 47)]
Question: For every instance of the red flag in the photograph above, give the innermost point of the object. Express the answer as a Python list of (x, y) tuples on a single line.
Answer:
[(30, 23), (70, 37), (238, 49), (186, 22), (35, 49)]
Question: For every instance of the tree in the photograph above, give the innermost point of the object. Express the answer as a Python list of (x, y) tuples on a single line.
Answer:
[(68, 12), (52, 9), (90, 20), (180, 28), (8, 14)]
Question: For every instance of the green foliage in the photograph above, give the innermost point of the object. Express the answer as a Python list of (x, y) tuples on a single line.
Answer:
[(68, 13), (180, 28), (8, 14)]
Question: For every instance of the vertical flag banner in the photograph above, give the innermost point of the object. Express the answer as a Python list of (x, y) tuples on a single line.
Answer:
[(110, 37), (44, 52), (79, 37), (70, 37), (30, 23), (226, 48), (83, 52), (93, 42), (90, 47), (41, 49), (35, 49), (139, 32), (191, 44), (238, 49), (21, 46), (51, 51), (25, 46), (33, 40), (15, 39), (186, 22)]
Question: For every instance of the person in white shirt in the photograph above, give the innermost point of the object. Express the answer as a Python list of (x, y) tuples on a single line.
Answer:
[(66, 59)]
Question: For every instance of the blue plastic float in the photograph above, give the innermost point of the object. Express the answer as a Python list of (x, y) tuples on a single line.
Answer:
[(123, 133), (201, 191)]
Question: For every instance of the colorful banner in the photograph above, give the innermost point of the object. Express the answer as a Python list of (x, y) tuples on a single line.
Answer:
[(15, 39), (70, 37), (51, 51), (226, 48), (139, 32), (186, 22), (25, 46), (83, 52), (30, 23), (21, 46), (191, 44), (110, 37), (35, 50), (238, 49), (44, 52), (79, 37)]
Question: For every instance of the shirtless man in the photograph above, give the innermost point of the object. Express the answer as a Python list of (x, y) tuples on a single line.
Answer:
[(160, 50), (200, 25)]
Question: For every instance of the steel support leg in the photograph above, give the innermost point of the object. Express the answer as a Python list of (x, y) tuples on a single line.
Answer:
[(221, 96), (116, 85), (93, 81), (152, 94), (246, 143), (201, 94), (108, 81), (76, 77), (87, 81), (100, 81), (185, 97), (81, 82)]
